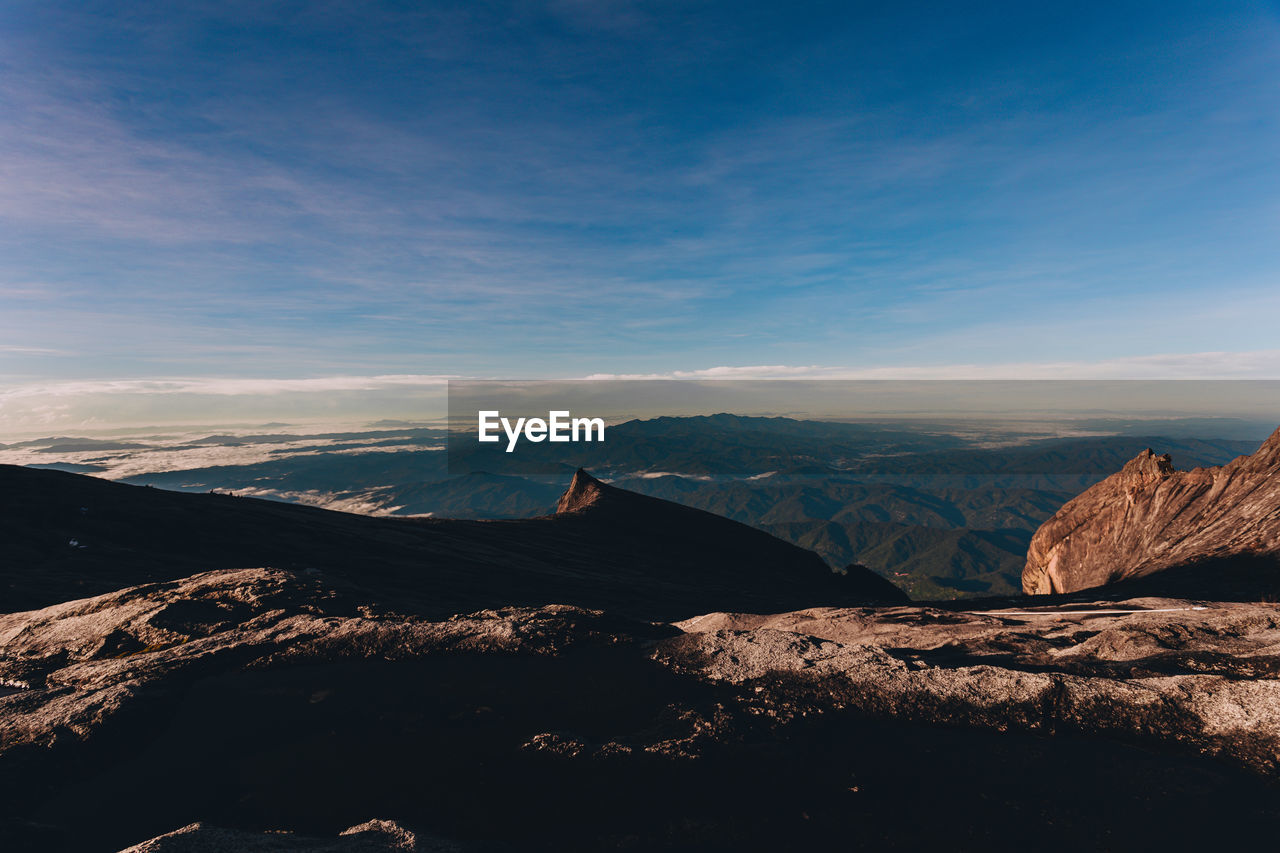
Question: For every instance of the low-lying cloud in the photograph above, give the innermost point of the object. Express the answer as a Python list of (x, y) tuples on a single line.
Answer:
[(40, 408)]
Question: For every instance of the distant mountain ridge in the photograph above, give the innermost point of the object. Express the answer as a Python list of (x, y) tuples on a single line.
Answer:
[(937, 514)]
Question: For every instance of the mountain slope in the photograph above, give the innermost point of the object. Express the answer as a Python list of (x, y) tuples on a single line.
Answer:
[(64, 536)]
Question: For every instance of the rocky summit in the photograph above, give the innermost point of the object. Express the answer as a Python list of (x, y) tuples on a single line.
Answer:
[(201, 712), (1212, 532), (327, 710)]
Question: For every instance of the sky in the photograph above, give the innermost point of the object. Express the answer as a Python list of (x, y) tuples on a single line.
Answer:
[(203, 204)]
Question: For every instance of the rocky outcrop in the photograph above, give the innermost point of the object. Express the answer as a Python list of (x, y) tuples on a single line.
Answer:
[(288, 697), (1142, 669), (263, 699), (585, 492), (1151, 518)]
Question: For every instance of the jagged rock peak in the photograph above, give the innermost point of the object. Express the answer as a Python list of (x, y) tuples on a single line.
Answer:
[(1148, 466), (585, 491)]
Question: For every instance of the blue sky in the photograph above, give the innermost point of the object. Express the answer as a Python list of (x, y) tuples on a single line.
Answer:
[(329, 189)]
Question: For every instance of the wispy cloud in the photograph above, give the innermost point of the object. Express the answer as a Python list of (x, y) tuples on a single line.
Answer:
[(1260, 364), (224, 387), (25, 350), (609, 187)]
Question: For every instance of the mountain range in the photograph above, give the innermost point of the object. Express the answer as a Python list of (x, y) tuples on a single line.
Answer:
[(943, 510)]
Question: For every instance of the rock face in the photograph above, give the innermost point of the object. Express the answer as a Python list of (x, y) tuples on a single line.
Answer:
[(1151, 518), (586, 492)]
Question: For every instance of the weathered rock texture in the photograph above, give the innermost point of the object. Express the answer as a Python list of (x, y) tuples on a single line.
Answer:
[(283, 700), (1150, 518), (264, 699), (1156, 669)]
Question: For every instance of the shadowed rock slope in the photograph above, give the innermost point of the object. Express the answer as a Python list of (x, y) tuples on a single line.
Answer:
[(66, 535), (746, 558), (1217, 528)]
